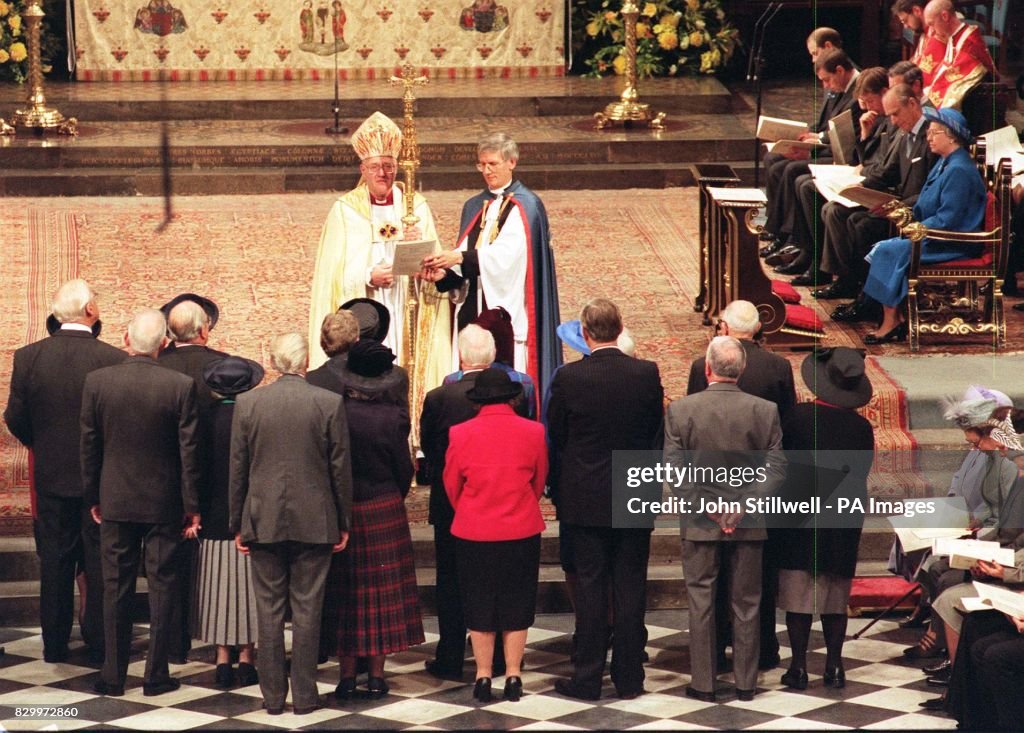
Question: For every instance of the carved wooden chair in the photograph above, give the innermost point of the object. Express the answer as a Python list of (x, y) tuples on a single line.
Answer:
[(962, 297)]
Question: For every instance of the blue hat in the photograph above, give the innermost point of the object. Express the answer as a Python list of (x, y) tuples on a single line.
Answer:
[(953, 120), (571, 333)]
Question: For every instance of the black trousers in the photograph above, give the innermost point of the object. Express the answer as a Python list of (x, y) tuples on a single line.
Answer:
[(67, 541), (121, 548), (181, 630), (451, 624), (617, 558)]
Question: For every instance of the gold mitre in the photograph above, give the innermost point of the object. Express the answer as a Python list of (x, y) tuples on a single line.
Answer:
[(377, 136)]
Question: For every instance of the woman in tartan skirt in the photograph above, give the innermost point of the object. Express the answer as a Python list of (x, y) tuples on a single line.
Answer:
[(379, 611)]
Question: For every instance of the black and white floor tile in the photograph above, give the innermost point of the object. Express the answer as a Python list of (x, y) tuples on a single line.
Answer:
[(882, 692)]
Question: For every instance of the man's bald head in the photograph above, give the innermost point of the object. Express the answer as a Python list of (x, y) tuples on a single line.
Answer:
[(940, 16), (147, 333)]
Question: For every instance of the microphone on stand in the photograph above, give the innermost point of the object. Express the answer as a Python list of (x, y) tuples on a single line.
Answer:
[(336, 128), (755, 41), (757, 70)]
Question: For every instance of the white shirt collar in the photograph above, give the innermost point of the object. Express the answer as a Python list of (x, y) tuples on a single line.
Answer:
[(75, 327)]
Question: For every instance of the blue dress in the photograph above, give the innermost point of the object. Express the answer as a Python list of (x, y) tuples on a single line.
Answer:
[(953, 198)]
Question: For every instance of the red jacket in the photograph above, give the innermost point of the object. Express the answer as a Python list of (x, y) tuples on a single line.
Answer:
[(494, 474)]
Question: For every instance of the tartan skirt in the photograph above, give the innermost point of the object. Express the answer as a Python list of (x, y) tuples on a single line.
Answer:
[(378, 601)]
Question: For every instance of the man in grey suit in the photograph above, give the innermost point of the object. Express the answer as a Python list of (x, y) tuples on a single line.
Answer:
[(699, 429), (290, 496), (139, 476)]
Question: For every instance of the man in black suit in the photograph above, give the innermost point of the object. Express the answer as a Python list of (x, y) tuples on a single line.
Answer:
[(443, 407), (769, 377), (140, 474), (290, 497), (604, 403), (190, 318), (850, 233), (43, 413)]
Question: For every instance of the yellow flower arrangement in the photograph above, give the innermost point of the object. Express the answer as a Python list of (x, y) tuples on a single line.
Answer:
[(4, 56), (14, 22), (673, 37), (13, 54), (18, 52), (4, 10)]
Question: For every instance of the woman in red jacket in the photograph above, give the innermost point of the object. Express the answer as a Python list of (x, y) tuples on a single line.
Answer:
[(494, 474)]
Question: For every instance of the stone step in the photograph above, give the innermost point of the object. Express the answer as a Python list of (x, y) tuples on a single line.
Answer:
[(19, 600)]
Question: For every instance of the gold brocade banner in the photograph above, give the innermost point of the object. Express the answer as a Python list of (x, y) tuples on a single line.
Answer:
[(206, 40)]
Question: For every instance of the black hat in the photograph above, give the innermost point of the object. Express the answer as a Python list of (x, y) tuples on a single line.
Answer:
[(369, 358), (212, 311), (53, 325), (374, 318), (493, 386), (837, 376), (232, 375)]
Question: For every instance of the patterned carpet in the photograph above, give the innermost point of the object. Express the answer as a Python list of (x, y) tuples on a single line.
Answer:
[(254, 256)]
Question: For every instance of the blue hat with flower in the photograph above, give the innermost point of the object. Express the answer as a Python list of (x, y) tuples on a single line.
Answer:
[(571, 334), (953, 120)]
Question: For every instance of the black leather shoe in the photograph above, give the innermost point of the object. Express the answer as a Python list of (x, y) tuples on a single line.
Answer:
[(513, 689), (811, 278), (273, 709), (225, 676), (102, 688), (631, 695), (482, 689), (160, 688), (941, 681), (854, 313), (795, 267), (306, 710), (700, 694), (56, 656), (784, 256), (745, 695), (568, 688), (247, 675), (435, 669), (769, 249), (835, 677), (376, 688), (766, 236), (795, 678), (836, 290), (898, 333), (918, 619), (942, 667), (346, 688), (769, 661), (935, 703)]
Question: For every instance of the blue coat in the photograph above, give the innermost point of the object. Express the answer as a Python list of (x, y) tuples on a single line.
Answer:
[(953, 198)]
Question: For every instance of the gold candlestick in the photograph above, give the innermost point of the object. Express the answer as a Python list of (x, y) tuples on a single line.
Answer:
[(629, 110), (37, 116)]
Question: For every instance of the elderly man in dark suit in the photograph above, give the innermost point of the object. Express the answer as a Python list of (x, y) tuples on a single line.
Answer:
[(43, 413), (140, 472), (699, 429), (444, 407), (769, 377), (604, 403), (290, 496), (190, 318)]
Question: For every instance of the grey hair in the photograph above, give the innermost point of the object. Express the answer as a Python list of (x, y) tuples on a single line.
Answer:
[(186, 321), (147, 331), (289, 353), (501, 143), (726, 357), (71, 299), (476, 345), (742, 317)]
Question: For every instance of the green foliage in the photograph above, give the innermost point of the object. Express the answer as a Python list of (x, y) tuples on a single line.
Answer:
[(674, 37), (13, 44)]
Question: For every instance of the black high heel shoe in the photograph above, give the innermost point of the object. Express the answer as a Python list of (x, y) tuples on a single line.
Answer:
[(898, 333), (482, 689), (835, 677), (513, 688), (225, 676), (795, 678), (346, 688), (376, 688)]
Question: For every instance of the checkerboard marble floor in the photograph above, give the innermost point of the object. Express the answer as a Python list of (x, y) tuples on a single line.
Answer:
[(882, 691)]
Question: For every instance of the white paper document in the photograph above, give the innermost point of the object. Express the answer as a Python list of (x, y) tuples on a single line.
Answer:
[(776, 128), (744, 195), (831, 179), (1001, 143), (1000, 598), (409, 256), (964, 553)]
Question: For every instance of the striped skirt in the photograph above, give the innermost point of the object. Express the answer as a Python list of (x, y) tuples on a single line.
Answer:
[(375, 582), (223, 604)]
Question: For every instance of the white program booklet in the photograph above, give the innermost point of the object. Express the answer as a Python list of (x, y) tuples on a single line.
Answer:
[(964, 553), (776, 128), (409, 255), (991, 595)]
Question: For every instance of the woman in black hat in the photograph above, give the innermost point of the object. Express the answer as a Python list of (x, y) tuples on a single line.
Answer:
[(223, 605), (374, 578), (494, 475), (817, 563)]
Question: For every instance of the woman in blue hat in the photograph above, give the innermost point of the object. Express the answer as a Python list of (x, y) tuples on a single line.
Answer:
[(953, 198)]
